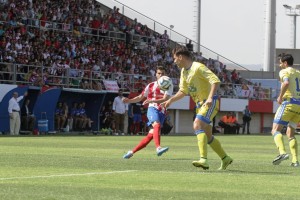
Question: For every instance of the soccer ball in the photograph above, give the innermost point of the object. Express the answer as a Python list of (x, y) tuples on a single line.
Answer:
[(164, 83)]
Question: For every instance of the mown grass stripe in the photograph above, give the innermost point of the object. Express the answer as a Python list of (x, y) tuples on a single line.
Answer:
[(66, 175)]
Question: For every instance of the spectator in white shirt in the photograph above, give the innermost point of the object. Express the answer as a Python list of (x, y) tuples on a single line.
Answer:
[(14, 113), (120, 110), (18, 45)]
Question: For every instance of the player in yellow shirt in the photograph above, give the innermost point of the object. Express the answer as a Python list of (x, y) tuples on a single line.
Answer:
[(201, 84), (288, 113)]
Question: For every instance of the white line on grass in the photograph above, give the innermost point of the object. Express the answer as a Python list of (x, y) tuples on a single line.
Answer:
[(66, 175)]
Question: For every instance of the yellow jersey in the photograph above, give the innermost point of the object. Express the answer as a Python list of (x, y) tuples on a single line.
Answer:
[(293, 76), (196, 81)]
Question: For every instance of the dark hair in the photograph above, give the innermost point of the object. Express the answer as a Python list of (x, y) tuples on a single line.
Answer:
[(161, 68), (181, 50), (286, 58)]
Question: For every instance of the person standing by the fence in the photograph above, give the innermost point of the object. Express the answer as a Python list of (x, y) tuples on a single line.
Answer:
[(14, 113), (27, 117), (246, 119), (120, 110)]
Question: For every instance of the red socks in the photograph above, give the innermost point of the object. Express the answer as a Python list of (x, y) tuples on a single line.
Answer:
[(143, 143), (156, 135)]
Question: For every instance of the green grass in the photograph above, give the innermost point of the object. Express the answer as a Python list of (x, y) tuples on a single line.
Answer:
[(91, 167)]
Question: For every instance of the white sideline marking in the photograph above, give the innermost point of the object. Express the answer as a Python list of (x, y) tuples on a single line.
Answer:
[(66, 175)]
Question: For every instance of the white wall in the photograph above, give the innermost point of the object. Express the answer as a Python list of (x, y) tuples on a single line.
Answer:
[(185, 122), (236, 105)]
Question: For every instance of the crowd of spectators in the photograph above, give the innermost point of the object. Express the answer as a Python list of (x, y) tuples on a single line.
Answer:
[(80, 43), (29, 38), (52, 40)]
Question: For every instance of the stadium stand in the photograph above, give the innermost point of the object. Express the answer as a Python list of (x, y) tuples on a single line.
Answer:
[(82, 45)]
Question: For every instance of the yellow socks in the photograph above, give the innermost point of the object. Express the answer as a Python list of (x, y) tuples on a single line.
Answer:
[(279, 142), (216, 146), (202, 143), (294, 149)]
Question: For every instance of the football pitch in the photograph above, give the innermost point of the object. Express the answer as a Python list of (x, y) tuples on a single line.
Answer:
[(92, 168)]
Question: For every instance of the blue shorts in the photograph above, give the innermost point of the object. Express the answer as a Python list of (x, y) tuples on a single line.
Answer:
[(206, 114), (137, 117), (155, 115), (287, 112)]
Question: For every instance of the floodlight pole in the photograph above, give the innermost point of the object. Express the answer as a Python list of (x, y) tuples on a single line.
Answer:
[(199, 27), (270, 34), (295, 30), (293, 12)]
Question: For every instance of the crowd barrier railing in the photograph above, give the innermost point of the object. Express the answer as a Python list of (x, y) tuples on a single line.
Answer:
[(39, 75)]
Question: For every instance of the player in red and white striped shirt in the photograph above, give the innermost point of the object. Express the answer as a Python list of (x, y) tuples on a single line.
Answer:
[(155, 114)]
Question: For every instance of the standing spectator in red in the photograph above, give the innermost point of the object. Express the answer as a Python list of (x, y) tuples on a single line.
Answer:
[(43, 19), (104, 28), (95, 25), (234, 77)]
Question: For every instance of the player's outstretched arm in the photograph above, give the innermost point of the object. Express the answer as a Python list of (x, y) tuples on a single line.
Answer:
[(176, 97), (133, 100)]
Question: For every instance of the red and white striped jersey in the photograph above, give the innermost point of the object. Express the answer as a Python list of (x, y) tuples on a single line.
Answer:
[(152, 92)]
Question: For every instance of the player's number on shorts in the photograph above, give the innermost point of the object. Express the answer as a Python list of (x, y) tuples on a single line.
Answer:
[(297, 84)]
